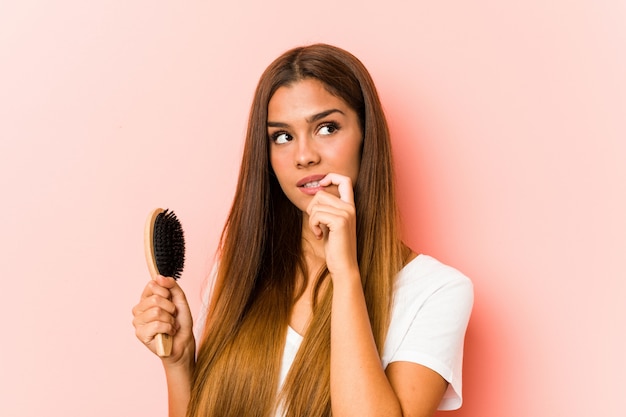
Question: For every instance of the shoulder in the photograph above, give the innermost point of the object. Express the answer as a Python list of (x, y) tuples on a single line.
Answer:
[(424, 276), (431, 306)]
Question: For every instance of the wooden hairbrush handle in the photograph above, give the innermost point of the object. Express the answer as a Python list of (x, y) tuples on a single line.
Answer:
[(163, 340)]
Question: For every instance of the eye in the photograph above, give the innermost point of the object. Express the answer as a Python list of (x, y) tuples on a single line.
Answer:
[(328, 128), (280, 137)]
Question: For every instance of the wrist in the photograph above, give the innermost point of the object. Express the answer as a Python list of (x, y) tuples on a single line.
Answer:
[(185, 362), (349, 280), (179, 375)]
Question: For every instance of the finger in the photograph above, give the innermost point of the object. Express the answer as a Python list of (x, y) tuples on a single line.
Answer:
[(155, 300), (325, 221), (344, 185), (315, 223), (153, 309), (155, 287), (329, 206), (177, 293), (178, 298), (332, 206), (329, 218), (153, 315), (147, 332), (325, 201), (165, 282), (155, 321), (318, 229), (159, 302)]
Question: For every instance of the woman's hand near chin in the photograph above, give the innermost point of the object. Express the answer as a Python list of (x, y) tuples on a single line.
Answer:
[(332, 218), (358, 384)]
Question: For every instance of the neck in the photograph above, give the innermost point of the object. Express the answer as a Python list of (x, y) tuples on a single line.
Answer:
[(312, 247), (313, 256)]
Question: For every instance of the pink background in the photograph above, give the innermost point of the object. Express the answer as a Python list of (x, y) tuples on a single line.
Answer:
[(510, 137)]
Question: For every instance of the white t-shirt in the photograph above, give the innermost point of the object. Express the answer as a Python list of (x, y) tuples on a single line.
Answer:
[(431, 308)]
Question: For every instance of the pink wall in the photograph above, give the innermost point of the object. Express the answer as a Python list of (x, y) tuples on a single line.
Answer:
[(510, 137)]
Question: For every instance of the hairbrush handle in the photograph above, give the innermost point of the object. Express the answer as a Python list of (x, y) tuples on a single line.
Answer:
[(163, 340)]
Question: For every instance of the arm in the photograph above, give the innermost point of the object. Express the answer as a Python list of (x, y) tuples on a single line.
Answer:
[(178, 379), (418, 388), (359, 385), (163, 308), (358, 382)]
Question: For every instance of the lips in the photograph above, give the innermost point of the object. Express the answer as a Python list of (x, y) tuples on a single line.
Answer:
[(310, 185), (312, 181)]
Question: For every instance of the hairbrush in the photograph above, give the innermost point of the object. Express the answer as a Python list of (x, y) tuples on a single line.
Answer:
[(164, 245)]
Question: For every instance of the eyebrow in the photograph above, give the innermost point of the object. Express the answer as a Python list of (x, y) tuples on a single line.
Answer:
[(310, 119)]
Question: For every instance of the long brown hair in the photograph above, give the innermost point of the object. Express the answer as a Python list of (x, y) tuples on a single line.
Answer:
[(240, 353)]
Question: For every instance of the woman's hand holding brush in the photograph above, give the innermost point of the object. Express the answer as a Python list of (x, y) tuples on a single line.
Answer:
[(163, 309)]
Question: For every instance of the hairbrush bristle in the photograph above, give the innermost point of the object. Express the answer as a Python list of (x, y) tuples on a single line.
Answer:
[(169, 245)]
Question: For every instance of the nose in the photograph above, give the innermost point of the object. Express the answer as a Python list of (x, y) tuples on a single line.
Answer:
[(306, 153)]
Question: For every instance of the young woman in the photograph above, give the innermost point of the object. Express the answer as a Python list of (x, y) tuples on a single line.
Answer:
[(317, 308)]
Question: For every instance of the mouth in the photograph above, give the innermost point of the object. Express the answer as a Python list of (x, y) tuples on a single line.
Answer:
[(310, 185), (312, 181)]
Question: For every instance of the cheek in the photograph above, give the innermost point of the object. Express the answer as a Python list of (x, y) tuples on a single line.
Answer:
[(351, 160), (275, 164), (279, 167)]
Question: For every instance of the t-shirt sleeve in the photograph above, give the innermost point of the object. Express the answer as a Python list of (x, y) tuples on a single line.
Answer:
[(437, 321)]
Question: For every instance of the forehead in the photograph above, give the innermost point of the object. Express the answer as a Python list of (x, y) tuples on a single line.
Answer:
[(304, 97)]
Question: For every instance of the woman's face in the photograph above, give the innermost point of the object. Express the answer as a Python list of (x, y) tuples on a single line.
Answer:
[(312, 133)]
